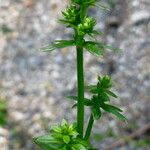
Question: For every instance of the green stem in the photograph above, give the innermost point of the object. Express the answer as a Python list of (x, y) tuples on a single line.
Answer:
[(80, 81), (83, 13), (80, 78), (89, 128)]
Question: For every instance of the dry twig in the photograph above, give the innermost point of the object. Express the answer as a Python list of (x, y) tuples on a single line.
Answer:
[(126, 139)]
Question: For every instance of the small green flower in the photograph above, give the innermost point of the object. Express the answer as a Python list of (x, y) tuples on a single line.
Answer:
[(104, 82), (64, 129), (86, 27), (70, 15)]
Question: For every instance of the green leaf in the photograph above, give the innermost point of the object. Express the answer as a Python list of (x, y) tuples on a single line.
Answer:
[(87, 102), (93, 48), (56, 129), (114, 110), (103, 7), (92, 89), (77, 147), (63, 148), (82, 142), (57, 135), (66, 139), (89, 87), (75, 98), (97, 48), (103, 97), (73, 133), (64, 122), (96, 112), (58, 44), (97, 32), (63, 21), (75, 105), (68, 24), (111, 48), (105, 46), (104, 82), (111, 94), (47, 142), (111, 107), (119, 115)]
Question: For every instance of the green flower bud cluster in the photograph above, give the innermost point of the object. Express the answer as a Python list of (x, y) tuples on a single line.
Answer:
[(64, 129), (101, 99), (62, 137), (102, 89), (70, 15), (86, 27), (104, 82)]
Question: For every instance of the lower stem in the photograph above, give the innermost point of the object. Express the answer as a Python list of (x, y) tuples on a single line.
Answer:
[(89, 128), (80, 82)]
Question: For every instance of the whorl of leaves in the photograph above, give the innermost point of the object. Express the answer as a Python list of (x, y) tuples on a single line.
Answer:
[(100, 101)]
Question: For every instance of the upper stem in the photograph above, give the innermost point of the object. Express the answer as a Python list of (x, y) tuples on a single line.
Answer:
[(83, 13), (80, 78)]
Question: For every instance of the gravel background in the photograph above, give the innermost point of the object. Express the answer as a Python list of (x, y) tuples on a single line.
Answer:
[(35, 84)]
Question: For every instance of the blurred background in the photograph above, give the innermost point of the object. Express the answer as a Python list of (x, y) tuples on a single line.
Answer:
[(33, 84)]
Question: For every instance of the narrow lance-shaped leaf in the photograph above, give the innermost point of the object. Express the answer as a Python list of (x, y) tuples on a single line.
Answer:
[(47, 142), (82, 142), (75, 105), (87, 101), (99, 5), (105, 46), (66, 139), (92, 89), (96, 112), (111, 48), (68, 24), (97, 32), (94, 33), (77, 147), (93, 48), (114, 110), (111, 94), (111, 107), (56, 129), (89, 87), (103, 97), (58, 44)]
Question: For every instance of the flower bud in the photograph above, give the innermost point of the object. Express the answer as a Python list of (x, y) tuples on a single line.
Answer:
[(86, 26), (71, 14)]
